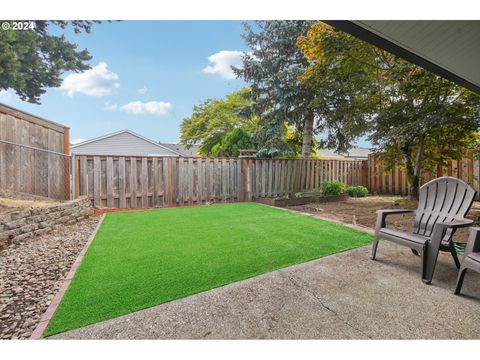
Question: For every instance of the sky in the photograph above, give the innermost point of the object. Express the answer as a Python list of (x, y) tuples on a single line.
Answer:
[(146, 76)]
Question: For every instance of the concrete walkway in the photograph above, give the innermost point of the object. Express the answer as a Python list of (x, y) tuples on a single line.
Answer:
[(342, 296)]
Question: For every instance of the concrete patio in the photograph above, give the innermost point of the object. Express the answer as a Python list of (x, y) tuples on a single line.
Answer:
[(342, 296)]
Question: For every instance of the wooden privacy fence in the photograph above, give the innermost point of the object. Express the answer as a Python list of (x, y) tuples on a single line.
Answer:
[(34, 155), (142, 182), (380, 181)]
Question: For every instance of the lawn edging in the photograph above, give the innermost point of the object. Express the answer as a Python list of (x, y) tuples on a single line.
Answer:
[(48, 314)]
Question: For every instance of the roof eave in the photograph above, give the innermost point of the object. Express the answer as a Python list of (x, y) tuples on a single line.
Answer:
[(375, 39)]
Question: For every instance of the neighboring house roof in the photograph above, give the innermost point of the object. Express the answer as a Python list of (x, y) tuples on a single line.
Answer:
[(355, 153), (190, 152), (124, 142)]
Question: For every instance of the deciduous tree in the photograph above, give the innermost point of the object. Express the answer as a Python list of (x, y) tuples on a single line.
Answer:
[(212, 123), (407, 112)]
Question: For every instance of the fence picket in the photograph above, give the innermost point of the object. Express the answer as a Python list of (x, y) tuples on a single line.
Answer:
[(109, 181), (121, 182)]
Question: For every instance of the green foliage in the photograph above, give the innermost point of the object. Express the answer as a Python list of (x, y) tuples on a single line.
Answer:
[(298, 195), (31, 61), (233, 141), (294, 139), (357, 191), (213, 124), (340, 81), (333, 188), (272, 68)]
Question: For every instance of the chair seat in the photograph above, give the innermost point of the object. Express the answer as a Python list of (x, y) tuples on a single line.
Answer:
[(474, 256), (415, 238)]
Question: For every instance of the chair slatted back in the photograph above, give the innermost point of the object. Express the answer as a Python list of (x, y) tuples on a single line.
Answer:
[(443, 199)]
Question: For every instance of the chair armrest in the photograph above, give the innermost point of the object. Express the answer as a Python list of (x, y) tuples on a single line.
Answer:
[(455, 224), (382, 215), (440, 228), (473, 244), (394, 211)]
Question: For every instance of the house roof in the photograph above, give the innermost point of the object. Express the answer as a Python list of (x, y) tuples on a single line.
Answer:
[(356, 152), (190, 152), (129, 132), (447, 48)]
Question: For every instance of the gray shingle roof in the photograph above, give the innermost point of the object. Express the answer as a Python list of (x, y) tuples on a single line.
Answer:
[(191, 152), (356, 152)]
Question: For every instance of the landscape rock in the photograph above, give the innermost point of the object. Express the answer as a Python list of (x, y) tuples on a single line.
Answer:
[(17, 226), (31, 272)]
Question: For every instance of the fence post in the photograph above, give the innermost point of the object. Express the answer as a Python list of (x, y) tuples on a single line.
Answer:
[(170, 182), (364, 173), (245, 184), (75, 176), (66, 163)]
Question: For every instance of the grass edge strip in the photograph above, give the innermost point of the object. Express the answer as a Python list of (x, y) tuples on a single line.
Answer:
[(37, 334)]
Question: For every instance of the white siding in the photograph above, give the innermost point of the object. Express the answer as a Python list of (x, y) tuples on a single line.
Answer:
[(121, 144)]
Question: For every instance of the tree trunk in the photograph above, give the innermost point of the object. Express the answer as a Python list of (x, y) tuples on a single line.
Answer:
[(307, 134), (414, 169), (413, 180)]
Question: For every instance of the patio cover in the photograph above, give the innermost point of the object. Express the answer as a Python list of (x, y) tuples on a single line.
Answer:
[(448, 48)]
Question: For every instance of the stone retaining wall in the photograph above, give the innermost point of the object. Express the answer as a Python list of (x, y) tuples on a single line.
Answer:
[(20, 225)]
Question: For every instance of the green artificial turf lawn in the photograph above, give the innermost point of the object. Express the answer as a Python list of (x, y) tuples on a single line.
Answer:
[(145, 258)]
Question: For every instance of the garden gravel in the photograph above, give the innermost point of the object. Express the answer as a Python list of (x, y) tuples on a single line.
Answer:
[(31, 273)]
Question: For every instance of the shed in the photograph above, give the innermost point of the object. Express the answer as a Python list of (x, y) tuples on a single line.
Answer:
[(122, 143)]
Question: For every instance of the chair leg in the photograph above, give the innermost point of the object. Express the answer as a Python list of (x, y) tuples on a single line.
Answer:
[(461, 276), (374, 248), (454, 255), (429, 257)]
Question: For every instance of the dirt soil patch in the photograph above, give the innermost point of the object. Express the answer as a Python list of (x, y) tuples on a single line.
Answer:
[(362, 211), (10, 201)]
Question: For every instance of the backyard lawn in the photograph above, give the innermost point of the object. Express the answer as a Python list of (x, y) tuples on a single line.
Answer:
[(145, 258)]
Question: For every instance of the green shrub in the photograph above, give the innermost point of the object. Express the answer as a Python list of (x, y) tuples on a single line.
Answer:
[(357, 191), (333, 188), (298, 195)]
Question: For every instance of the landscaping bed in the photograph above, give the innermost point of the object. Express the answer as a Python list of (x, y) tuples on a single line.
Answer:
[(294, 201), (141, 259), (362, 211), (32, 271)]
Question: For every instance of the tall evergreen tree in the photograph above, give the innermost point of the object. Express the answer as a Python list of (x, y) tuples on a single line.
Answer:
[(33, 60), (272, 68)]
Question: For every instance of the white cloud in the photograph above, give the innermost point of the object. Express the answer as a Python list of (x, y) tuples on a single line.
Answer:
[(97, 81), (222, 62), (110, 106), (5, 95), (76, 141), (142, 90), (158, 108)]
